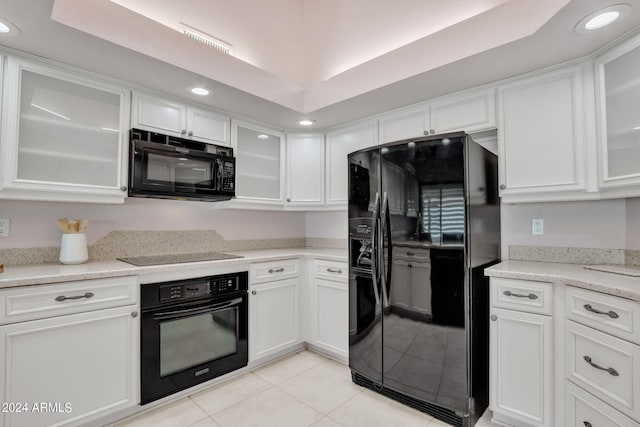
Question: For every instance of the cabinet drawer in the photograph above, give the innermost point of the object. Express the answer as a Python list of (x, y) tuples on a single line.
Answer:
[(585, 410), (38, 302), (522, 295), (331, 270), (605, 366), (273, 270), (614, 315), (411, 254)]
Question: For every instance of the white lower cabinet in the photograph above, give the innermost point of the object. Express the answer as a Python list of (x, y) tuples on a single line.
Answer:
[(273, 318), (329, 308), (584, 410), (66, 369), (520, 354)]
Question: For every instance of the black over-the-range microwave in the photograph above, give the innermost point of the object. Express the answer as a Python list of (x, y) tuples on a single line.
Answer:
[(168, 167)]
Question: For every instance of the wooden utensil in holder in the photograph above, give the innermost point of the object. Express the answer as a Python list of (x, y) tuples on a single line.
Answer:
[(73, 248)]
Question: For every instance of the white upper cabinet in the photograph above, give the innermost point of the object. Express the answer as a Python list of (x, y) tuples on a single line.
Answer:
[(305, 171), (618, 117), (469, 112), (340, 143), (175, 118), (64, 135), (260, 171), (541, 137)]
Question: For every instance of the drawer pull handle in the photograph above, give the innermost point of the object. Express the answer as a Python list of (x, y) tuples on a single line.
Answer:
[(87, 295), (331, 270), (410, 254), (277, 270), (610, 370), (511, 294), (587, 424), (611, 314)]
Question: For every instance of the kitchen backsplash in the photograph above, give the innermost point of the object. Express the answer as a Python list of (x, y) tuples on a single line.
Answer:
[(572, 255), (130, 243)]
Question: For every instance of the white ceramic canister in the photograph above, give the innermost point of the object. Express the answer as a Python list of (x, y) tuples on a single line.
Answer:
[(73, 249)]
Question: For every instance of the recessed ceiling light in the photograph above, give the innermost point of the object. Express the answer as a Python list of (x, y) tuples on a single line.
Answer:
[(200, 91), (263, 136), (7, 28), (306, 122), (602, 18)]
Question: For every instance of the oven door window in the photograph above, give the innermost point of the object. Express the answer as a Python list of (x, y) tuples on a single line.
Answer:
[(192, 340)]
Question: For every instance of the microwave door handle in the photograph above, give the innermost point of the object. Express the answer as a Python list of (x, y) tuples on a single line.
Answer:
[(177, 314)]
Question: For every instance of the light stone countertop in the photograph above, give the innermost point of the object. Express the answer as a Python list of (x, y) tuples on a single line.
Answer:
[(25, 275), (570, 274)]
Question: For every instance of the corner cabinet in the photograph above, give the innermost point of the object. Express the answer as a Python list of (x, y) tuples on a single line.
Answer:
[(618, 99), (541, 137), (64, 135), (340, 143), (162, 115), (305, 171), (260, 168), (471, 111)]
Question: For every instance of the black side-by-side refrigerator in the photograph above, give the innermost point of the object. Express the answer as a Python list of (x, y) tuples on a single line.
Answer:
[(424, 222)]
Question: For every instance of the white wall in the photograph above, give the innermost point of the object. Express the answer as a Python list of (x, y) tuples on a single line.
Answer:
[(330, 225), (33, 224), (633, 224), (593, 224)]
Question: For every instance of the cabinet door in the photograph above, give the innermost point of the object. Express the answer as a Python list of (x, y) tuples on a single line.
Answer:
[(260, 171), (63, 136), (273, 318), (332, 317), (207, 126), (541, 136), (400, 294), (159, 115), (618, 100), (86, 364), (520, 367), (305, 170), (403, 125), (468, 112), (420, 288), (339, 144)]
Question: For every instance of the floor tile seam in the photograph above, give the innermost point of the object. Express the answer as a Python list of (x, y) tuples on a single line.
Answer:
[(211, 415), (362, 390), (303, 402)]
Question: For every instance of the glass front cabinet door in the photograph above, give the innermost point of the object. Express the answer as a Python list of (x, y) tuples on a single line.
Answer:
[(618, 117), (64, 135)]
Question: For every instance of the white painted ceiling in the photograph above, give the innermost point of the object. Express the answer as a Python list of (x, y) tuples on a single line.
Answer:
[(304, 57)]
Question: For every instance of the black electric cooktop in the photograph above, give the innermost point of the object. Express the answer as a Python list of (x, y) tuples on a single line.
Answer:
[(141, 261)]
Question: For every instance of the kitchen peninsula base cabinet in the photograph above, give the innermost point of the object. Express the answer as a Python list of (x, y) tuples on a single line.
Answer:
[(67, 369), (273, 309)]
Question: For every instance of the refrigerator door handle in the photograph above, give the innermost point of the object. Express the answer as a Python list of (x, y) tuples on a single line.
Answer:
[(374, 250), (385, 269)]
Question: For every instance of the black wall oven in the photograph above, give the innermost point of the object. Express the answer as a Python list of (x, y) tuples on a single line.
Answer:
[(167, 167), (191, 331)]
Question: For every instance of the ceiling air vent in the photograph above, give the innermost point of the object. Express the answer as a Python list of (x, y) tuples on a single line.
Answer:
[(206, 39)]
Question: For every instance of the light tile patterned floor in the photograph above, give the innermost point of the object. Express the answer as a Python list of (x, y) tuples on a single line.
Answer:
[(304, 389)]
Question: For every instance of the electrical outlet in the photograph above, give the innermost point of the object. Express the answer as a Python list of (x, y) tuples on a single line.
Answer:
[(537, 226), (4, 227)]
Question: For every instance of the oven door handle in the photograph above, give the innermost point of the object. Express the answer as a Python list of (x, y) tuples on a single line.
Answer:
[(194, 311)]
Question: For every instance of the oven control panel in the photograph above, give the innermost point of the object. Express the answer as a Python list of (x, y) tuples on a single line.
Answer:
[(198, 289)]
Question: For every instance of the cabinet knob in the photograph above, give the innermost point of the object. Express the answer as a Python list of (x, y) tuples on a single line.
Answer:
[(502, 186), (288, 200), (183, 131), (426, 132), (587, 424), (253, 292), (190, 133), (493, 317), (123, 188), (432, 131), (134, 314)]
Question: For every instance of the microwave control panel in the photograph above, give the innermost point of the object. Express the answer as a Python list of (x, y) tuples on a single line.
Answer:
[(228, 175)]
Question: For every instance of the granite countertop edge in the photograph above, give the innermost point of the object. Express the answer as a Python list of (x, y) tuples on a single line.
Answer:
[(569, 274), (38, 274)]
